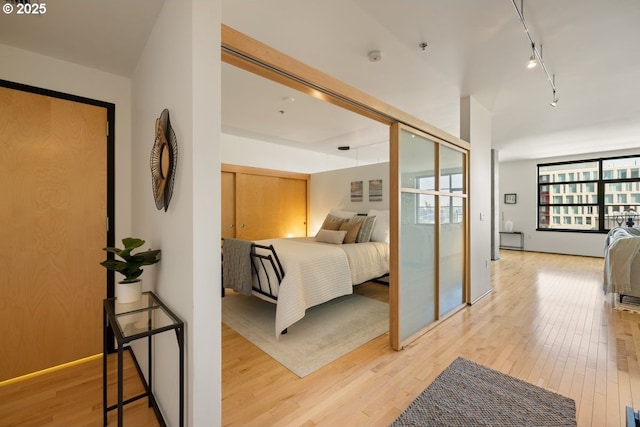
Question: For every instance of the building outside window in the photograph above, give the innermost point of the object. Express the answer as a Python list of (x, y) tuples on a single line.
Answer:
[(588, 202)]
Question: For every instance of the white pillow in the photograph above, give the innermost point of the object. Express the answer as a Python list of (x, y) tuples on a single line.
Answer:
[(381, 227), (342, 214), (331, 236)]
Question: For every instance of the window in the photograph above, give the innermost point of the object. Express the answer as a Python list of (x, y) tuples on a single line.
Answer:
[(590, 194)]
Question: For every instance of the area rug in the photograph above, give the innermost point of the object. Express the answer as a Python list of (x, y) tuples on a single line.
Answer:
[(468, 394), (628, 303), (327, 332)]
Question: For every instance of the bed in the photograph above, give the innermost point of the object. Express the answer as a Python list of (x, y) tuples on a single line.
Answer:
[(316, 272), (622, 262), (299, 273)]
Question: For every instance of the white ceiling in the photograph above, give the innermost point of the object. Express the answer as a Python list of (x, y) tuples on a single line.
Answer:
[(476, 48)]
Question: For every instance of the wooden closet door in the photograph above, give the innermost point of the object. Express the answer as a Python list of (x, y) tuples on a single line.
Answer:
[(228, 205), (292, 207), (53, 175), (257, 212)]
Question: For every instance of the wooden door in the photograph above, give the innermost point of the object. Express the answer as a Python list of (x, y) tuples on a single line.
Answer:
[(53, 175), (228, 205), (257, 207), (292, 207)]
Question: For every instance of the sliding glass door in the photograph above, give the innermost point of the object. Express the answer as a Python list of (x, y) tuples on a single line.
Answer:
[(431, 229), (452, 227)]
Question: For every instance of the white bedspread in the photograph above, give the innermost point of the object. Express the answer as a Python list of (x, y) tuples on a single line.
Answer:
[(622, 246), (313, 274)]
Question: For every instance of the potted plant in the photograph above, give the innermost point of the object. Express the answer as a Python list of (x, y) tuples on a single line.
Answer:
[(130, 266)]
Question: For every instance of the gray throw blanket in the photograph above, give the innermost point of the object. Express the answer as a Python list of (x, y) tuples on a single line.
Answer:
[(236, 265)]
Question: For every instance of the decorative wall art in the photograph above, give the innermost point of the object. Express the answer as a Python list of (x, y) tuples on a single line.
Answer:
[(356, 191), (375, 190), (510, 198), (164, 159)]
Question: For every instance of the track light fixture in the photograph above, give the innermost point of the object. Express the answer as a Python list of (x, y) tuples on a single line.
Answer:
[(532, 59), (537, 55), (554, 100)]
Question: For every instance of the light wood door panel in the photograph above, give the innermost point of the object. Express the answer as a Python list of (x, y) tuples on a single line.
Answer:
[(228, 205), (53, 170), (257, 207), (292, 207)]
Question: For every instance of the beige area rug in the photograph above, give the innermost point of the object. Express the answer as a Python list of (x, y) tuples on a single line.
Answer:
[(327, 332), (628, 303)]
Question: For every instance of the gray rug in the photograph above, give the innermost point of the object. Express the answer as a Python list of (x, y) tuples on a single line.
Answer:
[(468, 394), (327, 332)]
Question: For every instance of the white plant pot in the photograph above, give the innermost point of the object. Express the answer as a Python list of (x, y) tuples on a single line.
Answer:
[(128, 292)]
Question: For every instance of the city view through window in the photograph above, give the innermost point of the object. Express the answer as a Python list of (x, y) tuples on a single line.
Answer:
[(590, 195)]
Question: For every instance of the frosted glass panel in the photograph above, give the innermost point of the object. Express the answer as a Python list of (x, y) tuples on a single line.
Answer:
[(417, 235), (451, 255), (451, 281)]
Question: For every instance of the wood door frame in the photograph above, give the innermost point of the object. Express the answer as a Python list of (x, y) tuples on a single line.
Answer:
[(249, 54), (111, 142)]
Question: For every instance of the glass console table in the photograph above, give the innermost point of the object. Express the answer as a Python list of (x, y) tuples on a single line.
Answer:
[(132, 321)]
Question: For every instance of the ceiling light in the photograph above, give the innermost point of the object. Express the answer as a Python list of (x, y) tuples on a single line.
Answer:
[(554, 100), (537, 55), (532, 62)]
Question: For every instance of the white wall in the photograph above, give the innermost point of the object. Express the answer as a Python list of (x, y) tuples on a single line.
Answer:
[(180, 70), (250, 152), (333, 190), (521, 178), (475, 127), (33, 69)]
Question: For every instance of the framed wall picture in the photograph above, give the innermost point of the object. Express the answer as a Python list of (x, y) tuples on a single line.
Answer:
[(510, 198), (375, 190), (356, 191)]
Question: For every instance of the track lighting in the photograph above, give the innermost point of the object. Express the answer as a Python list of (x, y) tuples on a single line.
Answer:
[(537, 55), (554, 100)]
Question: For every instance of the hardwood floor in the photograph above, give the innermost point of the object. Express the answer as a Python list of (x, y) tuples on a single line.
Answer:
[(72, 397), (546, 322)]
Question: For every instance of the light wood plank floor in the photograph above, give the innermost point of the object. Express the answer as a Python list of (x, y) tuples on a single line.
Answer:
[(72, 397), (546, 322)]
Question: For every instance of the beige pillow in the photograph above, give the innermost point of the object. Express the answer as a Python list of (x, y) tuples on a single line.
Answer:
[(332, 225), (352, 229), (332, 222), (330, 236)]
